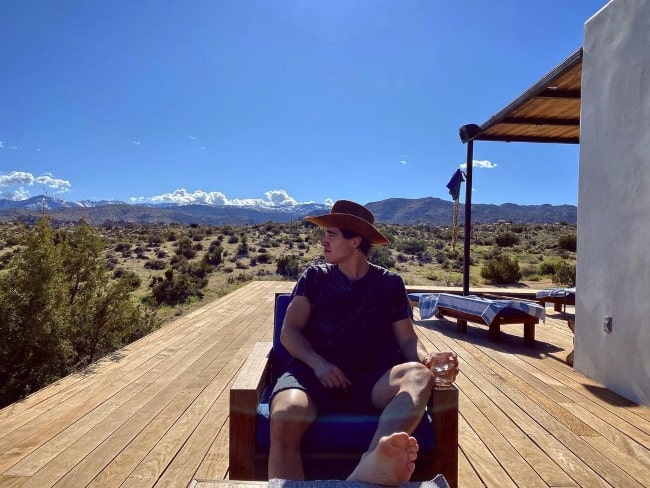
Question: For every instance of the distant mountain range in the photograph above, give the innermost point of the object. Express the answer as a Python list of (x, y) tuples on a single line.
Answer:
[(393, 210)]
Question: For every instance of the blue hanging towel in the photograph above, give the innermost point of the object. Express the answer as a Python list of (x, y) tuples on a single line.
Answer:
[(454, 184)]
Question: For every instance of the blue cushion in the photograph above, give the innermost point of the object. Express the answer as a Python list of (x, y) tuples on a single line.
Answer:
[(333, 433), (351, 433), (280, 357)]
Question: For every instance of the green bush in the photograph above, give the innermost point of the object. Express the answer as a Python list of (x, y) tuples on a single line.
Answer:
[(289, 266), (380, 255), (503, 270), (411, 246), (548, 266), (565, 274), (185, 248), (568, 242), (506, 239)]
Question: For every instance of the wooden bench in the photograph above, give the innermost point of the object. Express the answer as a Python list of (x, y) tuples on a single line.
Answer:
[(559, 301), (507, 315)]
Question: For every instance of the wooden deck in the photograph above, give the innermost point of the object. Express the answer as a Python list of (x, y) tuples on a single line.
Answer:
[(156, 412)]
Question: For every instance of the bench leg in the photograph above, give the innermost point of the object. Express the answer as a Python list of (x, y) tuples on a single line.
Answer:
[(557, 306), (529, 333), (461, 326), (494, 332)]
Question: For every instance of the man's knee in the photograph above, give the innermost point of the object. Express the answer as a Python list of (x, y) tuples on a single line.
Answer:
[(292, 406), (418, 376)]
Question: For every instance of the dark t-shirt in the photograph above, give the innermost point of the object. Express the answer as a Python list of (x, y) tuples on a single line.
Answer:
[(350, 323)]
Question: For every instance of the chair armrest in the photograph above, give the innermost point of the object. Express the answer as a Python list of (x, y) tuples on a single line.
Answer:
[(245, 394), (443, 408)]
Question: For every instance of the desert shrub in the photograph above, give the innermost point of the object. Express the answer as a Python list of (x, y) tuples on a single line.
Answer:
[(214, 255), (503, 270), (233, 239), (131, 278), (565, 274), (111, 262), (412, 246), (175, 288), (529, 272), (155, 264), (289, 266), (154, 240), (548, 266), (568, 242), (199, 270), (123, 247), (242, 249), (185, 248), (506, 239), (264, 258), (380, 255)]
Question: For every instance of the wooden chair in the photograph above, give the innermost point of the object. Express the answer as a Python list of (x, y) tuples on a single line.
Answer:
[(334, 444)]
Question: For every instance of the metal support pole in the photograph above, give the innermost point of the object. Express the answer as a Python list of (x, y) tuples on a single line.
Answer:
[(468, 216)]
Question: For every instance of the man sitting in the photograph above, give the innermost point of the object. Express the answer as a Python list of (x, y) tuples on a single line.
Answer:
[(349, 331)]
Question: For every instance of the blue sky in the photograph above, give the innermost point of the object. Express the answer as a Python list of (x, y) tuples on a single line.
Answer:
[(274, 101)]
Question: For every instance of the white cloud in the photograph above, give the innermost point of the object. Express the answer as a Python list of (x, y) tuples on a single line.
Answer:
[(16, 178), (54, 183), (136, 143), (16, 195), (273, 198), (183, 197), (20, 178), (485, 164), (193, 138), (403, 162), (2, 144)]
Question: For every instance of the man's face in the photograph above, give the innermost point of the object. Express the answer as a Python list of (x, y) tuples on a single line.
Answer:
[(336, 247)]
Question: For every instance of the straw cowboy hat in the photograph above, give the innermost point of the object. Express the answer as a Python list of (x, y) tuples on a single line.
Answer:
[(353, 217)]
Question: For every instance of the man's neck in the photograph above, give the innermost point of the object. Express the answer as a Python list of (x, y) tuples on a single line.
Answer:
[(354, 269)]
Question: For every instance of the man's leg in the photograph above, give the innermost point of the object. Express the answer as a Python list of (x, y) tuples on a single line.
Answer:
[(403, 393), (292, 412)]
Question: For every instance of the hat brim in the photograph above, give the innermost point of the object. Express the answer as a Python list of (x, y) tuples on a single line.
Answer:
[(352, 223)]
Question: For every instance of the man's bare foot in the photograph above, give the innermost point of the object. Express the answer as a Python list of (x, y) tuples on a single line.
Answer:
[(391, 463)]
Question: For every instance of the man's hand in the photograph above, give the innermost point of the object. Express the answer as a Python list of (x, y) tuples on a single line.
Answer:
[(448, 355), (331, 376)]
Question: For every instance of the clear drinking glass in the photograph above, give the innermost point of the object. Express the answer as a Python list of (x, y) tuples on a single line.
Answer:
[(444, 366)]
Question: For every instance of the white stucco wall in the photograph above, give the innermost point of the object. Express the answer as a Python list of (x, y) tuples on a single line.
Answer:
[(613, 271)]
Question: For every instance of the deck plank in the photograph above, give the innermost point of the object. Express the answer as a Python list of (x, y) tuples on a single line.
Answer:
[(155, 413)]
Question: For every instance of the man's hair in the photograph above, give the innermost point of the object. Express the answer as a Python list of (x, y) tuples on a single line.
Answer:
[(365, 245)]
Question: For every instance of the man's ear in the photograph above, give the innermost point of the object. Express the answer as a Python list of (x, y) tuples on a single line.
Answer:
[(356, 241)]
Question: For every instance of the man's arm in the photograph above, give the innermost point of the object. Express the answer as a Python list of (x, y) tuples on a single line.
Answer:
[(294, 340), (410, 345), (412, 348)]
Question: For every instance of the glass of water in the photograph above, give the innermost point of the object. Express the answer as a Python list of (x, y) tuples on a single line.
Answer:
[(444, 366)]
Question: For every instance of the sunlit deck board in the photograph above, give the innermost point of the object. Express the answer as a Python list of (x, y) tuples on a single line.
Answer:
[(156, 414)]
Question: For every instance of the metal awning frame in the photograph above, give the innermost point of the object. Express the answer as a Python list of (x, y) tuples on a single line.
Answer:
[(544, 127)]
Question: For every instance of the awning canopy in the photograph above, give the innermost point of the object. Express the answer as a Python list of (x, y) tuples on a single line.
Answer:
[(549, 111)]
